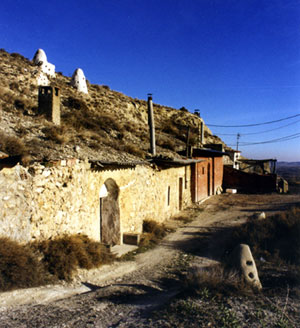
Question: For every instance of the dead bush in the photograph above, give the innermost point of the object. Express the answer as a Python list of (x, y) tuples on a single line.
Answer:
[(12, 145), (75, 103), (20, 266), (185, 218), (58, 134), (165, 142), (134, 150), (63, 255), (156, 230)]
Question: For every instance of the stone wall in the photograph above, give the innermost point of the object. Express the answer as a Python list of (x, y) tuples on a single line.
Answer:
[(64, 198), (15, 203)]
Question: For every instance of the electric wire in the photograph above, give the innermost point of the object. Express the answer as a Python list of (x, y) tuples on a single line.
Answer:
[(286, 138), (261, 132), (255, 124)]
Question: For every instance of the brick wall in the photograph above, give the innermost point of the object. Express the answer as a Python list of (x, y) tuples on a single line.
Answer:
[(248, 182)]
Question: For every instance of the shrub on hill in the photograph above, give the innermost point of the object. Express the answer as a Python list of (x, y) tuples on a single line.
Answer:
[(12, 145)]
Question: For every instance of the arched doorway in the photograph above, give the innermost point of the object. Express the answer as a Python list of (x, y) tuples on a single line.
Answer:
[(109, 213)]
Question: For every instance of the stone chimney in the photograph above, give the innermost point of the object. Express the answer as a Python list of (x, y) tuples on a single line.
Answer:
[(151, 125), (49, 103)]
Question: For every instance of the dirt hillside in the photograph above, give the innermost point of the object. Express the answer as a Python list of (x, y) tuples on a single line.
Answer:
[(104, 124)]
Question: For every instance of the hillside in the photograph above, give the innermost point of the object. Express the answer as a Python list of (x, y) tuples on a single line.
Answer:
[(290, 171), (103, 125)]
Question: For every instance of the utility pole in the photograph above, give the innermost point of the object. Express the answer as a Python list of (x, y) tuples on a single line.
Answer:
[(237, 141)]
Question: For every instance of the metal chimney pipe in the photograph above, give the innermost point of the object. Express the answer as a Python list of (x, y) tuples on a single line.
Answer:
[(151, 125), (187, 141)]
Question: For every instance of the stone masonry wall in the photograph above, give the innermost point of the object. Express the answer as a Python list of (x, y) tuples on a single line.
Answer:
[(15, 203), (42, 202)]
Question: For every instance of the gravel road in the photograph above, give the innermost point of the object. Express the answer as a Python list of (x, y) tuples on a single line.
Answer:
[(126, 293)]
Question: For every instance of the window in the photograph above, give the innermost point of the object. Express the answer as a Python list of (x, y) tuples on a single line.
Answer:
[(203, 170), (169, 195)]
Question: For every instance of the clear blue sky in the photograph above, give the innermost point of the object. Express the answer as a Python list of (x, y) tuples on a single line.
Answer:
[(238, 61)]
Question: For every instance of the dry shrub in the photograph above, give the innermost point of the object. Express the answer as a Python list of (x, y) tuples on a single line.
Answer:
[(152, 232), (185, 218), (276, 235), (134, 150), (20, 266), (170, 128), (58, 134), (165, 142), (216, 280), (63, 255), (12, 145), (75, 103)]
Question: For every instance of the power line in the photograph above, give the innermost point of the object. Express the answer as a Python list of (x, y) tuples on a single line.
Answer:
[(248, 134), (286, 138), (255, 124)]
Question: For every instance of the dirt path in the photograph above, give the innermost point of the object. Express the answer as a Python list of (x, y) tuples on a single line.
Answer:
[(124, 294)]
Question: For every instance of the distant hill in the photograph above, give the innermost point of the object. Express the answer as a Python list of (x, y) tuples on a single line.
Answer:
[(288, 164), (291, 172), (103, 125)]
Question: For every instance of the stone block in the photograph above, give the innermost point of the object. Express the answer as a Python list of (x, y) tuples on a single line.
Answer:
[(259, 216), (241, 259), (131, 238), (231, 191)]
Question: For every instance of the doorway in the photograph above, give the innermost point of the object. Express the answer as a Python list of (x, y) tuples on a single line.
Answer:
[(109, 213)]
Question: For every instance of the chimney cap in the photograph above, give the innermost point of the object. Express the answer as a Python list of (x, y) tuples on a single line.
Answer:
[(197, 112)]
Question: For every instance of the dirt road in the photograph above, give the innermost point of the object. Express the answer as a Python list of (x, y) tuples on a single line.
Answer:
[(124, 294)]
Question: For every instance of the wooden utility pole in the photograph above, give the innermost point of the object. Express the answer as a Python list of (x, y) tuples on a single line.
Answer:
[(237, 141)]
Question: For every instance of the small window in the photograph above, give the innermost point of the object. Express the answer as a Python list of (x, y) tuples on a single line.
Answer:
[(203, 170), (56, 91), (169, 195)]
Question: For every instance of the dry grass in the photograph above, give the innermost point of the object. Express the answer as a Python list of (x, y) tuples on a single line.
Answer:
[(217, 280), (274, 236), (185, 218)]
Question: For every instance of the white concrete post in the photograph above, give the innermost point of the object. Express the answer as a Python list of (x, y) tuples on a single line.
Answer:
[(151, 125)]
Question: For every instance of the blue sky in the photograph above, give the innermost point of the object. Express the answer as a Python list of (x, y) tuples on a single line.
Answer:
[(238, 61)]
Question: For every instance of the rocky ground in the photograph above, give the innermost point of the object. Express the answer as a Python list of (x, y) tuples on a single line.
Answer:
[(150, 290)]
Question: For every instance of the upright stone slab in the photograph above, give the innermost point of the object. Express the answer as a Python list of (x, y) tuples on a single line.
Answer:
[(242, 260), (49, 103)]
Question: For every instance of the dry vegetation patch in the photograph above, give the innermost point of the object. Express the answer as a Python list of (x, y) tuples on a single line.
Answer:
[(12, 145), (42, 262)]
